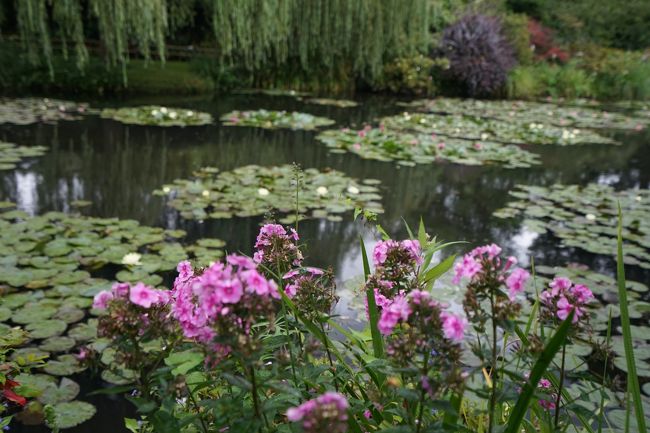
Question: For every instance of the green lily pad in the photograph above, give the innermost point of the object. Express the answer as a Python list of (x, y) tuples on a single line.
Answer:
[(11, 154), (57, 344), (46, 328), (66, 391), (73, 413), (585, 217), (254, 190), (26, 111), (275, 119), (157, 116), (64, 365)]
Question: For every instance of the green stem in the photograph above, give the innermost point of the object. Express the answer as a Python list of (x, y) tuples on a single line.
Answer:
[(204, 426), (256, 400), (493, 393), (425, 371), (329, 357), (558, 400)]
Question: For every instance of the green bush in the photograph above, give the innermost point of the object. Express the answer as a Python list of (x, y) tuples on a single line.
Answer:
[(543, 79), (411, 75), (523, 83), (515, 29)]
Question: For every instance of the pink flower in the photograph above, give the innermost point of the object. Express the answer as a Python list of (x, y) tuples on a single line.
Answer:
[(478, 146), (398, 309), (258, 256), (367, 414), (325, 413), (453, 326), (143, 295), (361, 133), (516, 282), (380, 253), (356, 146), (441, 145), (314, 271), (582, 293), (185, 270), (413, 247), (559, 285), (229, 291), (294, 235), (564, 308), (241, 261), (467, 267), (101, 300), (120, 290), (291, 274), (255, 283), (290, 290)]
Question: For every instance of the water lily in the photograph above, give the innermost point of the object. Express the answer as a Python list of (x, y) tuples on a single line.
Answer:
[(173, 115), (163, 110), (484, 136), (132, 259), (189, 113), (166, 189), (353, 189), (321, 190), (590, 217), (263, 192), (205, 193)]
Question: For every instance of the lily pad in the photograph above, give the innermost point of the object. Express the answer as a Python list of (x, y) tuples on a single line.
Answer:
[(407, 148), (476, 128), (341, 103), (64, 365), (254, 190), (46, 328), (73, 413), (57, 344), (586, 216), (157, 116), (11, 155), (66, 391), (26, 111), (275, 119)]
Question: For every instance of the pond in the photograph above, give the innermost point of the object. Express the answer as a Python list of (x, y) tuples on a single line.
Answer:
[(117, 167)]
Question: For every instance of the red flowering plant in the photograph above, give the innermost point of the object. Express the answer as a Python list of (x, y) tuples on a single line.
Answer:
[(13, 396), (544, 47)]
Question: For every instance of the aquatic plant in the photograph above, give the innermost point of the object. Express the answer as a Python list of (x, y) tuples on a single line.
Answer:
[(26, 111), (411, 148), (157, 116), (341, 103), (584, 217), (478, 53), (476, 128), (566, 114), (254, 190), (11, 155), (275, 119)]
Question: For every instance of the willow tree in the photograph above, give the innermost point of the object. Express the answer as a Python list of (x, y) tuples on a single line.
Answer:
[(119, 22), (319, 34), (257, 35)]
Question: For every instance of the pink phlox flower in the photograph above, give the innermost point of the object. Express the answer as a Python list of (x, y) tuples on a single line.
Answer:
[(143, 295), (101, 300), (453, 326), (397, 310), (516, 282), (185, 270), (380, 252), (560, 285), (467, 267), (413, 247), (120, 290), (240, 261)]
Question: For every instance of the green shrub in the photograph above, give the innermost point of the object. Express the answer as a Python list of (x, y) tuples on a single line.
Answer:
[(523, 83), (515, 29), (416, 75)]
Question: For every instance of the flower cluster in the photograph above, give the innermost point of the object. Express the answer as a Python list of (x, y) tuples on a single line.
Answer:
[(326, 413), (219, 306), (134, 313), (562, 297), (487, 274), (396, 267), (428, 330), (313, 291), (275, 248)]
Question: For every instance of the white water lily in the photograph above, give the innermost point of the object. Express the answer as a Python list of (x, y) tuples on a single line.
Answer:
[(263, 192), (353, 189), (173, 115), (166, 189), (189, 113), (575, 132), (591, 217), (484, 136), (321, 190), (132, 259), (163, 110), (637, 198), (205, 193), (155, 113)]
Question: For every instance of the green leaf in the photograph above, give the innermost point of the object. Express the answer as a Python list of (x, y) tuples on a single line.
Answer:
[(131, 425), (540, 367), (377, 340), (441, 268), (632, 378)]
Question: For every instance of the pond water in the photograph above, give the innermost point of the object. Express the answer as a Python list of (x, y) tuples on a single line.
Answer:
[(117, 166)]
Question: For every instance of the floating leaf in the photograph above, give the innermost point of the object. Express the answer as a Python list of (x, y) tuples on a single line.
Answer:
[(275, 119), (157, 116), (66, 391), (73, 413)]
